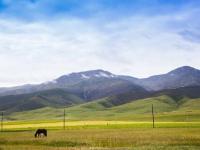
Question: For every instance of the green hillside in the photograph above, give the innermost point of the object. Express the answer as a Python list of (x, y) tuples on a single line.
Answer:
[(166, 109), (49, 98)]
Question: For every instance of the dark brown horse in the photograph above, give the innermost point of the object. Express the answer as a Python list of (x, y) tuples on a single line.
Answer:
[(40, 133)]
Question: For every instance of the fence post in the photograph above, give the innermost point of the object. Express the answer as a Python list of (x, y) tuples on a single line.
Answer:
[(153, 118), (2, 121), (64, 120)]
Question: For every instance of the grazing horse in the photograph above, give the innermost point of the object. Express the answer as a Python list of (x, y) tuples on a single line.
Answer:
[(40, 133)]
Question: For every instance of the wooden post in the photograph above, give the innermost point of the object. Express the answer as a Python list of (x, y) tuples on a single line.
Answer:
[(64, 120), (153, 119), (1, 121)]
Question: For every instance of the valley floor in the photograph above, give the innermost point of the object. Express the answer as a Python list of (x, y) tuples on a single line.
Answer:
[(177, 126), (102, 135)]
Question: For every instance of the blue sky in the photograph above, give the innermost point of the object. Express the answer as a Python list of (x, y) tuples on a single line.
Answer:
[(43, 39), (41, 9)]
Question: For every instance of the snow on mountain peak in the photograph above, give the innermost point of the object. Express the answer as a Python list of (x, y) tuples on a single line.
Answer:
[(104, 74), (85, 76), (99, 74)]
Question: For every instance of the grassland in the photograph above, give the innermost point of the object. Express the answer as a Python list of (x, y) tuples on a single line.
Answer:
[(121, 136), (166, 109), (31, 125), (95, 126)]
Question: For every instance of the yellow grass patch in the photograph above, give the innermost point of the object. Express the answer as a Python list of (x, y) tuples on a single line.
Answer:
[(18, 125)]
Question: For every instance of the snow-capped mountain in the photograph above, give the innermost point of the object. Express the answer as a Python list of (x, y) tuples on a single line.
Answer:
[(87, 85), (80, 76), (99, 83), (181, 77)]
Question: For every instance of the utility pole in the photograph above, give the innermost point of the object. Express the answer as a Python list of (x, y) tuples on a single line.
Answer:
[(153, 118), (64, 120), (1, 121)]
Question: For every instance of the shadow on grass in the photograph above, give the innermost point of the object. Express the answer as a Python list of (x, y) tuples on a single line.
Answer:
[(44, 143), (65, 144)]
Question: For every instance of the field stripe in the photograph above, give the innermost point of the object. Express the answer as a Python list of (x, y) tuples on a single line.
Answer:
[(23, 125)]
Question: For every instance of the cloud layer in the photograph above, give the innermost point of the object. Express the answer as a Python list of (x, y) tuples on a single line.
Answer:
[(40, 44)]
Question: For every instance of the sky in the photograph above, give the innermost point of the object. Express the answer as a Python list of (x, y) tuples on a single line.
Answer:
[(41, 40)]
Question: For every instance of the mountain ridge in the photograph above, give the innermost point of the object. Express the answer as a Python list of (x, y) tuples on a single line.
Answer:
[(98, 84), (179, 77)]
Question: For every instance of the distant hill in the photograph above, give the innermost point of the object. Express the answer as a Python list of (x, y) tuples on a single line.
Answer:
[(176, 94), (113, 90), (99, 88), (49, 98), (180, 77), (88, 85), (85, 84), (58, 98), (191, 92), (166, 109)]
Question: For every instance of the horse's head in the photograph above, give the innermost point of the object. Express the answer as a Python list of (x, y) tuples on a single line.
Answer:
[(35, 135)]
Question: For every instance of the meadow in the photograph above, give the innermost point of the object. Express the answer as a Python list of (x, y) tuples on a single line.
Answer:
[(166, 110), (94, 126), (102, 135)]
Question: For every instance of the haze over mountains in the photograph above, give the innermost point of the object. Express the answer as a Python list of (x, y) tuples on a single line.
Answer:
[(77, 88), (180, 77)]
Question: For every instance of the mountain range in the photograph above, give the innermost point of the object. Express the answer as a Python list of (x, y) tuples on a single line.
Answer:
[(82, 87)]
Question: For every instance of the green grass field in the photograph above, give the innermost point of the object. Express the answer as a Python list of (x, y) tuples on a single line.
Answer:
[(166, 109), (31, 125), (94, 126), (99, 135)]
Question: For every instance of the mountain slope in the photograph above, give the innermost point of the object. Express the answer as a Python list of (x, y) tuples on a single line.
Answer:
[(176, 94), (60, 98), (172, 97), (51, 98), (166, 109), (190, 92), (63, 82), (99, 88), (180, 77), (92, 85), (89, 85)]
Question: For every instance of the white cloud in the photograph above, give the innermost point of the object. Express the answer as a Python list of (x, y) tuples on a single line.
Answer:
[(33, 52)]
